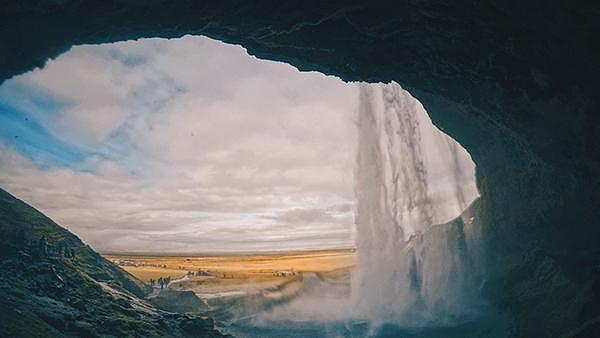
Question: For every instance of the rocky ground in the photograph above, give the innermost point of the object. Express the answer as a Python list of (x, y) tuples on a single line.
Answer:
[(53, 285)]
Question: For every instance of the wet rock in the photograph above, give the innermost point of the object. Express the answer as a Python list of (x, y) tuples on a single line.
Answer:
[(178, 301)]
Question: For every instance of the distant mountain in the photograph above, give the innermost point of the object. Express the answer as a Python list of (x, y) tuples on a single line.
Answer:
[(53, 285)]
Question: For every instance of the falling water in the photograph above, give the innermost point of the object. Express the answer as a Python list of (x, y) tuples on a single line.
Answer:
[(416, 257)]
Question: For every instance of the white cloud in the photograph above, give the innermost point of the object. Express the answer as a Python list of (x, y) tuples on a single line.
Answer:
[(190, 143)]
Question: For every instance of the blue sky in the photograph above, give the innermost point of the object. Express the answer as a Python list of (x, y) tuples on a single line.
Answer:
[(26, 135), (185, 145), (22, 125)]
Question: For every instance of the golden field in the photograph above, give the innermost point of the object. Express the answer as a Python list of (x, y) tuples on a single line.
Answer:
[(234, 269)]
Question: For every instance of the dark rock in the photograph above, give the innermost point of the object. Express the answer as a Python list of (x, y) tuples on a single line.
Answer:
[(178, 301)]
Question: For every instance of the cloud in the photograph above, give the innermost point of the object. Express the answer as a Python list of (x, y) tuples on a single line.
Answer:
[(183, 145), (309, 216)]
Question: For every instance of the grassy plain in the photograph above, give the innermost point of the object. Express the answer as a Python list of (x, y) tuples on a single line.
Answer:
[(234, 269)]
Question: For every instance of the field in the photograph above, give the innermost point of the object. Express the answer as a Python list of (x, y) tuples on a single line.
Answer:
[(239, 286), (234, 269)]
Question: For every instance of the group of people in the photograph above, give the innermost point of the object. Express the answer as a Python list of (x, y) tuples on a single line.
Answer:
[(162, 282)]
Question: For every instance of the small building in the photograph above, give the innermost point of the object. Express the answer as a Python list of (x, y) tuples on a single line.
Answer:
[(285, 273), (126, 262)]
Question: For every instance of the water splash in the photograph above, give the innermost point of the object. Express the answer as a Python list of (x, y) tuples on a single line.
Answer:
[(415, 263)]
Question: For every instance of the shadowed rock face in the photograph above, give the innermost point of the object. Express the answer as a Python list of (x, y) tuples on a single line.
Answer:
[(515, 83), (178, 301), (59, 287)]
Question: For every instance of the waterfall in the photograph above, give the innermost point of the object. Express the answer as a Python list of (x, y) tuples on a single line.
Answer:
[(416, 256)]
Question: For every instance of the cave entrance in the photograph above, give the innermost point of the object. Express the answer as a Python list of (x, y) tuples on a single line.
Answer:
[(190, 146)]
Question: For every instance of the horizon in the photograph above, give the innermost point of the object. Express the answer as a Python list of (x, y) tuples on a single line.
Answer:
[(226, 253)]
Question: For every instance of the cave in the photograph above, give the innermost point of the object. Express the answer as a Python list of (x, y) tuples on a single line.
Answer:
[(515, 83)]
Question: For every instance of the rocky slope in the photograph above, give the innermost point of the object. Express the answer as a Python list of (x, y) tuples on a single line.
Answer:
[(53, 285)]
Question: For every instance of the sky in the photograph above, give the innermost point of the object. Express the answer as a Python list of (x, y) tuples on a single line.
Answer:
[(182, 146)]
